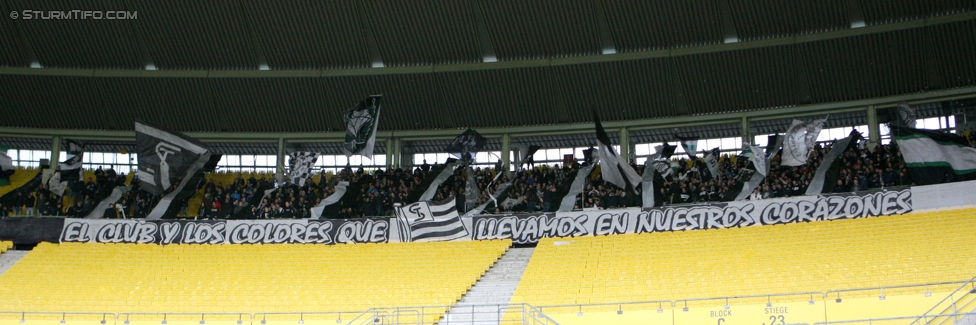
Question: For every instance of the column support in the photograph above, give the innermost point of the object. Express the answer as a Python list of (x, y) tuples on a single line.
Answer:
[(506, 155), (874, 130), (280, 168), (624, 145)]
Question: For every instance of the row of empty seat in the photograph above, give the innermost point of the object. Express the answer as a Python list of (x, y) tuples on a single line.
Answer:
[(907, 249), (244, 278)]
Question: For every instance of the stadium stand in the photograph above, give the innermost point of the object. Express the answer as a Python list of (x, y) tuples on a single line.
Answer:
[(18, 179), (245, 278), (916, 248)]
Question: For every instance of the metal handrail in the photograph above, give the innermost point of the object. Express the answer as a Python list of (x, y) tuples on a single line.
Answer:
[(528, 312), (871, 320), (948, 297), (810, 293), (23, 314)]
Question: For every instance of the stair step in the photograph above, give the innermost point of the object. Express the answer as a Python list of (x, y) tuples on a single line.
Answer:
[(8, 259), (493, 291)]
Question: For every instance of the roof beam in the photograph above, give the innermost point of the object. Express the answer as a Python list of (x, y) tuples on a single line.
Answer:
[(28, 48), (484, 38), (144, 54), (558, 129), (728, 22), (374, 54), (261, 60), (606, 35), (372, 47)]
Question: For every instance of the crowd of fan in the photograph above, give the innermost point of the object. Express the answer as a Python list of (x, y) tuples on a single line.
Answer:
[(82, 197), (533, 190)]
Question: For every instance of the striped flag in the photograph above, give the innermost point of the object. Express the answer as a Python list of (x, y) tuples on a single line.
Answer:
[(934, 157), (427, 221)]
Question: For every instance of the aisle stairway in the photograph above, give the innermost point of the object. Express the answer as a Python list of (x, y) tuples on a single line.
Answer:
[(481, 304), (9, 258)]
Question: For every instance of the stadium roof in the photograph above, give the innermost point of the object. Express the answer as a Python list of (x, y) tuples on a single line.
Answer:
[(631, 60)]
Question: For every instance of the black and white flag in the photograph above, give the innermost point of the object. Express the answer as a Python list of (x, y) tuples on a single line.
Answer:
[(340, 191), (647, 191), (170, 163), (799, 140), (71, 167), (666, 150), (471, 191), (614, 170), (689, 144), (55, 185), (466, 145), (435, 177), (750, 179), (906, 115), (711, 163), (933, 157), (427, 221), (113, 197), (572, 186), (301, 164), (361, 124), (527, 156), (500, 193), (825, 177), (6, 166)]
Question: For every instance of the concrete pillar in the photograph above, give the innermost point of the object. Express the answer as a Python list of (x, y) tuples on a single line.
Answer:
[(55, 159), (397, 154), (874, 130), (55, 151), (390, 153), (746, 135), (506, 156), (625, 145), (280, 168)]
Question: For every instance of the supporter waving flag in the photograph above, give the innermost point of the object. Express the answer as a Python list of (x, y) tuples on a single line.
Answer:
[(361, 124)]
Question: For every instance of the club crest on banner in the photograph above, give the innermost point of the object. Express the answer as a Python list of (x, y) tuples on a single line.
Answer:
[(424, 221)]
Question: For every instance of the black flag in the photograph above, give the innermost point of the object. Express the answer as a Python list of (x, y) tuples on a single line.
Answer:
[(71, 167), (667, 151), (170, 164), (466, 145)]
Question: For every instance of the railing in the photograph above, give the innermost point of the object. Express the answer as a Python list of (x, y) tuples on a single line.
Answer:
[(961, 299), (881, 290), (898, 320), (520, 314), (954, 306)]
